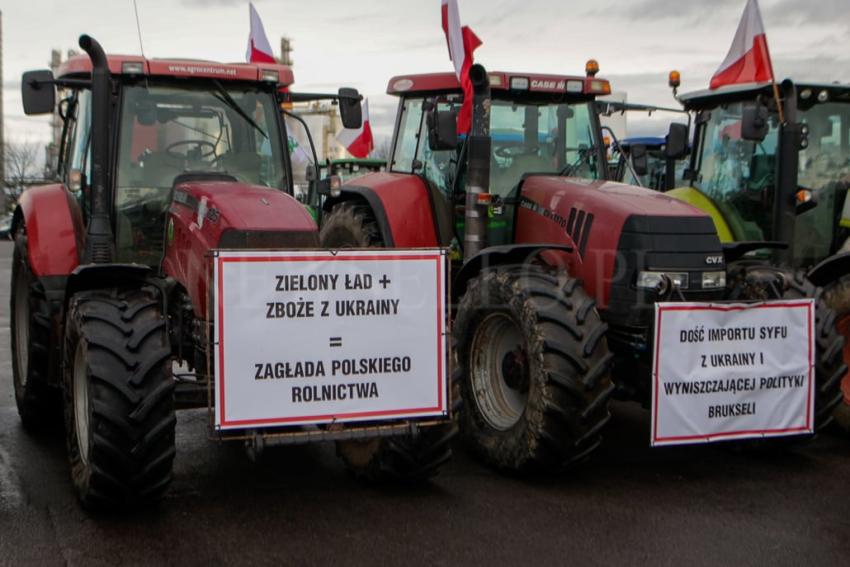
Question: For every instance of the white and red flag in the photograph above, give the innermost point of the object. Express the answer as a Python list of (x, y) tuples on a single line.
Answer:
[(259, 49), (462, 43), (358, 141), (748, 60)]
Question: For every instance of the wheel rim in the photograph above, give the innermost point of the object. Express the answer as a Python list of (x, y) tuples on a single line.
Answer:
[(22, 327), (81, 402), (499, 370)]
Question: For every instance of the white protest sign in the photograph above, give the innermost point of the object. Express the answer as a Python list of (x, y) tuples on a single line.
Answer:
[(313, 337), (732, 371)]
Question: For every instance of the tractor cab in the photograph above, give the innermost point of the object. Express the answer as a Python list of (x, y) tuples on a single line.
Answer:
[(740, 175), (538, 124)]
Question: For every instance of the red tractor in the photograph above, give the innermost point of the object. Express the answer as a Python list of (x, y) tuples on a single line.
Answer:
[(559, 269), (162, 162)]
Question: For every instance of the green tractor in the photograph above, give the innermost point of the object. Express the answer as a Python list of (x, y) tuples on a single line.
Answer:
[(777, 190)]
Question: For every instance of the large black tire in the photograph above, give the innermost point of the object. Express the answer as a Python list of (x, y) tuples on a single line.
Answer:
[(39, 404), (350, 224), (756, 281), (535, 366), (837, 295), (407, 458), (119, 407)]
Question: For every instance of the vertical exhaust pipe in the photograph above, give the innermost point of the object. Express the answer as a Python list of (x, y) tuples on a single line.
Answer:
[(478, 166), (100, 244)]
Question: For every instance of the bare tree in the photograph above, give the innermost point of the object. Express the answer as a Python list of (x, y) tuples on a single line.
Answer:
[(21, 165)]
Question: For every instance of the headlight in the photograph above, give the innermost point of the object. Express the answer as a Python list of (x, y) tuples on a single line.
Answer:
[(713, 280), (650, 280)]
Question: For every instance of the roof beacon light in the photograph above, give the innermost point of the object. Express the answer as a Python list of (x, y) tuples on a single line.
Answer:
[(132, 68), (519, 83), (591, 67), (674, 79)]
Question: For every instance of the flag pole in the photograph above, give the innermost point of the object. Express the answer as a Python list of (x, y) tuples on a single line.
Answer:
[(778, 102)]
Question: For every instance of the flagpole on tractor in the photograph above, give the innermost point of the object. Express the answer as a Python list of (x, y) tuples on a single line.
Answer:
[(778, 102)]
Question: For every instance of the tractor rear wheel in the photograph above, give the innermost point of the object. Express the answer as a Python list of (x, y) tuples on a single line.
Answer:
[(837, 296), (350, 225), (407, 458), (38, 403), (119, 408), (535, 369), (757, 281)]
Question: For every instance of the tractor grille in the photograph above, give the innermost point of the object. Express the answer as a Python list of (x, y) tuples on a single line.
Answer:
[(242, 239)]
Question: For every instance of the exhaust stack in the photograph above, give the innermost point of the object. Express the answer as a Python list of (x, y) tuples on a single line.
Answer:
[(478, 166), (100, 243)]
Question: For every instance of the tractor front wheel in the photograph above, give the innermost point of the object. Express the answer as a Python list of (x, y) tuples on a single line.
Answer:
[(535, 366), (837, 296), (118, 394), (757, 281)]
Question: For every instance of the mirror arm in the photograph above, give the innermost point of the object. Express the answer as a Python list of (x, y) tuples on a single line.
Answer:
[(310, 97)]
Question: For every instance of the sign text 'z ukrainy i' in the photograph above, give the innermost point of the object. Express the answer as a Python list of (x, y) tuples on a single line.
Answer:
[(313, 337), (732, 371)]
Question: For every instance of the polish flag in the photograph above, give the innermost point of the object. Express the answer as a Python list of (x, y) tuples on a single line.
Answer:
[(259, 49), (358, 142), (748, 60), (462, 43)]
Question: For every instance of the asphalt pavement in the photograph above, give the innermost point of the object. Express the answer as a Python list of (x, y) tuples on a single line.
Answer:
[(630, 505)]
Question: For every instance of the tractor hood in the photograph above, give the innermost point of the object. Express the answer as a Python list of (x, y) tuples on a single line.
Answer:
[(207, 215), (618, 199)]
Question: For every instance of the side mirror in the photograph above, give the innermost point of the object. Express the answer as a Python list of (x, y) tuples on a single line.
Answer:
[(754, 124), (640, 160), (349, 108), (442, 130), (38, 92), (676, 142)]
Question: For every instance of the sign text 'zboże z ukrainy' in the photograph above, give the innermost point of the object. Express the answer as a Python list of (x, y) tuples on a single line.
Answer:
[(732, 371), (316, 337)]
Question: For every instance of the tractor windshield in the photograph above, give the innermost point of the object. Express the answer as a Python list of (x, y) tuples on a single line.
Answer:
[(739, 177), (526, 138), (167, 130), (737, 174)]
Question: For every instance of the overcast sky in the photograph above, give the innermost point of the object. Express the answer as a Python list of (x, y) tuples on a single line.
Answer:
[(361, 44)]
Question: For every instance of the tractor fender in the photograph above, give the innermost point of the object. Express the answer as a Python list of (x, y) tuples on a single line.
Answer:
[(402, 205), (694, 197), (508, 255), (830, 269), (54, 227), (99, 276)]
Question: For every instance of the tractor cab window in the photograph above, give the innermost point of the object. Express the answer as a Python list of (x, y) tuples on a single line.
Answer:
[(824, 168), (739, 175), (168, 130), (404, 151), (540, 138), (79, 151), (439, 166)]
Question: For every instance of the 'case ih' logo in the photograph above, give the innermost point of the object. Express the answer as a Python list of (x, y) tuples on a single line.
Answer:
[(551, 85), (714, 260)]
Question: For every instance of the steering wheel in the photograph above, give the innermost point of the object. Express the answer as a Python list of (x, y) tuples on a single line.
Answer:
[(198, 143), (510, 152)]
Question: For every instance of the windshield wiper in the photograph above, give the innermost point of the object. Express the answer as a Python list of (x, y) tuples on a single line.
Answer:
[(225, 97)]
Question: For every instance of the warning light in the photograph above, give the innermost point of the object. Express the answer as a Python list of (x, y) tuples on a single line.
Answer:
[(591, 67), (804, 196), (674, 79)]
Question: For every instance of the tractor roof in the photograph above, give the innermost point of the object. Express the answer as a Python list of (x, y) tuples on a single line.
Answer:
[(735, 93), (534, 83), (186, 68)]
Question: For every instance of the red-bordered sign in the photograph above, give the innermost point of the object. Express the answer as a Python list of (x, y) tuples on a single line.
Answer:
[(399, 262), (783, 311)]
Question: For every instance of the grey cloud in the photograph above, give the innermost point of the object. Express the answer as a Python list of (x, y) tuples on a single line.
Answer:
[(667, 9), (194, 3), (821, 12)]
